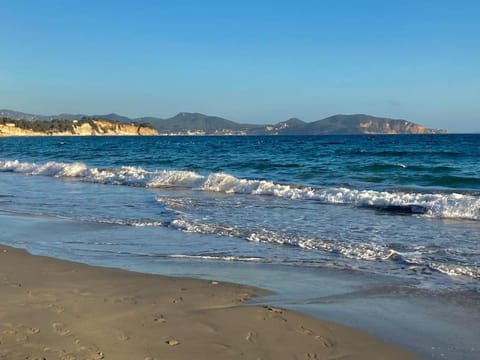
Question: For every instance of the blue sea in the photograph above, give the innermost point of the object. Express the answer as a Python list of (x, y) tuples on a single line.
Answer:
[(313, 218)]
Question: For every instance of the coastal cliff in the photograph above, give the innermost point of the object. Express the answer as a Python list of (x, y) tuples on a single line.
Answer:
[(395, 127), (84, 127)]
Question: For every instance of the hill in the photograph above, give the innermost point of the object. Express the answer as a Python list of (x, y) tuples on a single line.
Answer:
[(353, 125), (194, 123), (185, 123)]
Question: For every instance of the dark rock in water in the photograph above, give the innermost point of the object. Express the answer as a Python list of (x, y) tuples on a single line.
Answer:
[(402, 209)]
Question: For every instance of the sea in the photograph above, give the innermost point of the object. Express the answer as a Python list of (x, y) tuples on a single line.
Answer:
[(379, 232)]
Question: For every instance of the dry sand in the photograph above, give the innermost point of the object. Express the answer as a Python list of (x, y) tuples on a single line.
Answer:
[(53, 309)]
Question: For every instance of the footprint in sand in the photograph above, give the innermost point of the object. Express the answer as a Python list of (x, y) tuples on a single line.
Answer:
[(15, 330), (20, 331), (9, 332), (172, 342), (323, 340), (251, 336), (309, 356), (60, 329), (123, 337), (32, 331), (85, 352), (275, 313), (98, 355), (68, 357), (177, 300), (159, 318), (304, 331), (274, 310), (21, 338)]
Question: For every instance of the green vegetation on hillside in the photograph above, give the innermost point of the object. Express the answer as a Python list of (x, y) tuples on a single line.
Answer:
[(61, 125), (57, 125)]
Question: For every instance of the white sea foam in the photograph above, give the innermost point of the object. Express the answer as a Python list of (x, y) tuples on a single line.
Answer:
[(436, 205), (451, 205), (367, 251), (457, 270), (127, 222), (217, 257), (201, 228), (175, 178)]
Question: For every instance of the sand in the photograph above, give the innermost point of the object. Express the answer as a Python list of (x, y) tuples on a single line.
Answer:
[(54, 309)]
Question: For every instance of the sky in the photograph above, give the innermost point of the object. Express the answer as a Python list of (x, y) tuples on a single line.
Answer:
[(248, 61)]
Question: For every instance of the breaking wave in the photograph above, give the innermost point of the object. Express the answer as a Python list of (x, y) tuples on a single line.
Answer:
[(412, 261), (435, 205)]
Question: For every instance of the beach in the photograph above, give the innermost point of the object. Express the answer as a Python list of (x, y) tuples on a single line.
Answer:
[(239, 180), (55, 309)]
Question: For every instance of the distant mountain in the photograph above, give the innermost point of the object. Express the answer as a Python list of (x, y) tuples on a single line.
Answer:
[(193, 122), (113, 117), (17, 115), (185, 123), (353, 124)]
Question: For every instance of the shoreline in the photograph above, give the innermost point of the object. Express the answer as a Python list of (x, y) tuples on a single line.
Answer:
[(57, 309)]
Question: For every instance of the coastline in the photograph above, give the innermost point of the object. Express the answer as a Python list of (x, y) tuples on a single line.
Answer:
[(64, 310)]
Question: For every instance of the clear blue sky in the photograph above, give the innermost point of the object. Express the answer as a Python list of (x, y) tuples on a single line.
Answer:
[(249, 61)]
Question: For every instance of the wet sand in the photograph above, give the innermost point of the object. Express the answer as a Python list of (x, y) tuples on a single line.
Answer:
[(55, 309)]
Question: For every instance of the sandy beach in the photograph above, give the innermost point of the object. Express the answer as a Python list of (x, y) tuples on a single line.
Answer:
[(54, 309)]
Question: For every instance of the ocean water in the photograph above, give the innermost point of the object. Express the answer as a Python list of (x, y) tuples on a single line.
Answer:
[(403, 209), (406, 205)]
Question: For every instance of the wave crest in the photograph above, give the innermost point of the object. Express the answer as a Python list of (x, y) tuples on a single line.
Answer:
[(436, 205)]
